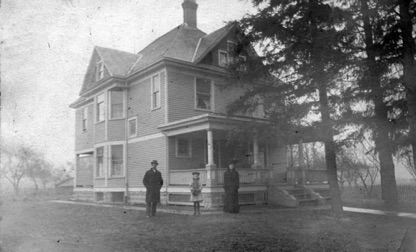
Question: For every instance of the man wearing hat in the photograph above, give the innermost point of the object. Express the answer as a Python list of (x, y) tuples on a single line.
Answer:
[(153, 182)]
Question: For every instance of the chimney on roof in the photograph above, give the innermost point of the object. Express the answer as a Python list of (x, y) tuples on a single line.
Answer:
[(189, 12)]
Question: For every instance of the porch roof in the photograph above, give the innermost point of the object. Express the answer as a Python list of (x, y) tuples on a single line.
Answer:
[(206, 122)]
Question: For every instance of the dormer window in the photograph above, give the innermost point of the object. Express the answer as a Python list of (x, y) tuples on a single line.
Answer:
[(99, 71)]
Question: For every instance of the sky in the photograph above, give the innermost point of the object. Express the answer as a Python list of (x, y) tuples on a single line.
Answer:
[(46, 48)]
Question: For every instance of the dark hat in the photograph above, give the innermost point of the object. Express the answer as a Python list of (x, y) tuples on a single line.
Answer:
[(233, 161), (195, 172), (154, 162)]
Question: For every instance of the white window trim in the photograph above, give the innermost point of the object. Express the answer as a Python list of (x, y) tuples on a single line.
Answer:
[(151, 93), (102, 176), (96, 108), (189, 147), (99, 75), (110, 166), (212, 95), (219, 58), (128, 127), (110, 107), (86, 120)]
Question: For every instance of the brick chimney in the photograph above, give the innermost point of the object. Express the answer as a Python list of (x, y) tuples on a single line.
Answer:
[(189, 12)]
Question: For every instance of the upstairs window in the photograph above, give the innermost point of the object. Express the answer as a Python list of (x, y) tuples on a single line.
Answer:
[(84, 119), (133, 127), (99, 70), (156, 91), (100, 108), (100, 162), (203, 94), (116, 160), (117, 104), (223, 58)]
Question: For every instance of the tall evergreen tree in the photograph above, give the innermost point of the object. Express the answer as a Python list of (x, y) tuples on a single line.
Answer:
[(302, 44)]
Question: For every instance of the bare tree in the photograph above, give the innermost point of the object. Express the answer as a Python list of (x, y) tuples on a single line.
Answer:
[(14, 165), (405, 157)]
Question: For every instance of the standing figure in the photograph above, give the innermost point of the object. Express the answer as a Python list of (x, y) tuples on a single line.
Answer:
[(231, 186), (153, 182), (196, 192)]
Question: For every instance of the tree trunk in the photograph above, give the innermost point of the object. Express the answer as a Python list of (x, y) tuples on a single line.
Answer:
[(409, 71), (381, 130), (321, 81)]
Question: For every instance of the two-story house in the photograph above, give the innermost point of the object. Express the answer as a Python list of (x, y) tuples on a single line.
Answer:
[(165, 103)]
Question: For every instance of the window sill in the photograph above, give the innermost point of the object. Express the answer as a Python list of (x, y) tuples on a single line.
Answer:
[(133, 136), (204, 110), (183, 156), (116, 177), (100, 122), (153, 109), (116, 119), (100, 178)]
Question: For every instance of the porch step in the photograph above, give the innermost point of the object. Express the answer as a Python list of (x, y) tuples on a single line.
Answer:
[(308, 202)]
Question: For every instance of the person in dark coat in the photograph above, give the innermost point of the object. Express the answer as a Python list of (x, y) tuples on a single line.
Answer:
[(153, 182), (231, 186)]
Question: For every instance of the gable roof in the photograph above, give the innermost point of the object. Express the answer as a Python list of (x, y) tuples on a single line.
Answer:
[(208, 42), (179, 43), (182, 43), (117, 62)]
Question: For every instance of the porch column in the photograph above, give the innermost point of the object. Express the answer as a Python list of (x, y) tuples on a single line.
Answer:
[(256, 163), (210, 167), (302, 176)]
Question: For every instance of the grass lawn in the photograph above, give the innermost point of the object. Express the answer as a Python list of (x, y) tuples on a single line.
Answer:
[(47, 226)]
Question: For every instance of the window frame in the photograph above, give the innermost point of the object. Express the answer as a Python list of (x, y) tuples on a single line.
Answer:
[(97, 110), (84, 119), (99, 70), (189, 143), (99, 173), (128, 127), (211, 95), (112, 175), (111, 105), (227, 58), (155, 95)]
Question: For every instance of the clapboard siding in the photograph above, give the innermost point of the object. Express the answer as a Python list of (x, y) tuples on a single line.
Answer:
[(139, 104), (140, 154), (99, 134), (180, 163), (116, 129), (84, 139)]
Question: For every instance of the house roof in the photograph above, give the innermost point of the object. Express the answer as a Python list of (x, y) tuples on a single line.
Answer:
[(179, 43), (117, 62), (182, 43), (208, 42)]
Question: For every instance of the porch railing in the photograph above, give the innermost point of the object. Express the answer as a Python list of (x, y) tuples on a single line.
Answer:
[(247, 176), (295, 175), (184, 177)]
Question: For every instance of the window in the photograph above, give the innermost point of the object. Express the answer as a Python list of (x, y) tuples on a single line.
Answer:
[(116, 160), (84, 119), (99, 71), (116, 104), (132, 127), (183, 147), (156, 91), (242, 60), (100, 162), (222, 58), (203, 94), (100, 108)]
